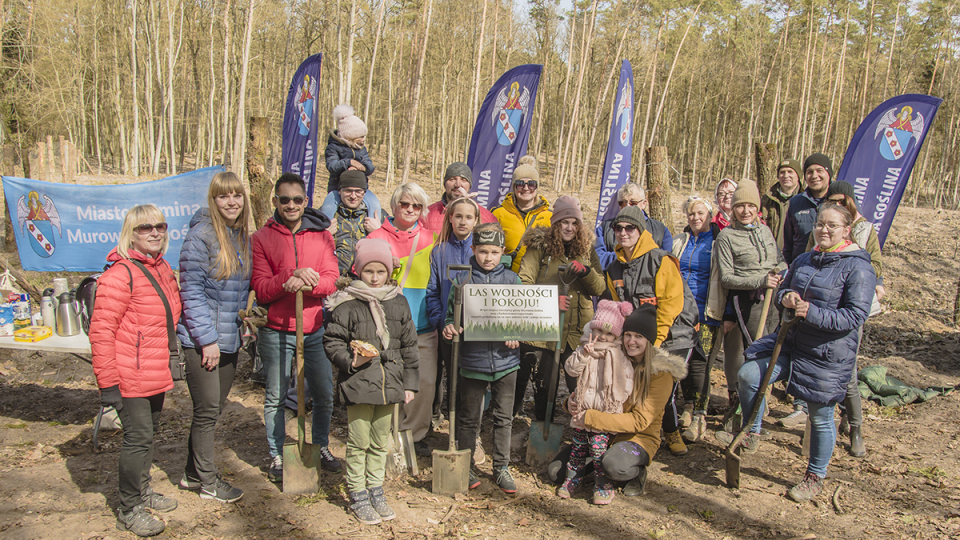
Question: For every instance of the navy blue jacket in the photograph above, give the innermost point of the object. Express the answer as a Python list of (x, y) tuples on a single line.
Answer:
[(338, 155), (823, 346), (607, 240), (210, 306), (801, 216), (486, 356), (452, 251)]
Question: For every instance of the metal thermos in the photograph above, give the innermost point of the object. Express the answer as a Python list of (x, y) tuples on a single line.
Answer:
[(68, 321), (47, 311)]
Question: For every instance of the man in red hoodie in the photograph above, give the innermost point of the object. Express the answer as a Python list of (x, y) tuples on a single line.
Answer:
[(294, 250), (457, 181)]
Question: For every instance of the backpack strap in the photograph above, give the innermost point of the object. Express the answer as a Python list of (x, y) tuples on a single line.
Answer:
[(172, 342)]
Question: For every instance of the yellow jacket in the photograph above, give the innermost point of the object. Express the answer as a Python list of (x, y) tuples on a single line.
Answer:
[(667, 293), (514, 224)]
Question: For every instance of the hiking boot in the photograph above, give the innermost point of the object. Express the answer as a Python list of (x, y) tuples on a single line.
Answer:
[(675, 443), (158, 502), (795, 419), (637, 486), (749, 444), (687, 416), (221, 491), (505, 480), (479, 456), (698, 426), (765, 434), (328, 462), (810, 487), (139, 522), (857, 449), (275, 471), (570, 486), (379, 503), (189, 484), (474, 481), (603, 491), (362, 508)]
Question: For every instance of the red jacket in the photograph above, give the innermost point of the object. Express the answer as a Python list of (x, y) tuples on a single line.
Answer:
[(277, 253), (128, 332), (434, 220)]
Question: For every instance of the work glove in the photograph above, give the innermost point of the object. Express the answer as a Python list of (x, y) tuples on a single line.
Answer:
[(110, 397), (577, 269), (256, 318), (564, 302)]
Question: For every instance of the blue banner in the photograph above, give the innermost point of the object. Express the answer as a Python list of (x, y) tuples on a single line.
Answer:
[(68, 227), (882, 153), (616, 166), (502, 131), (301, 123)]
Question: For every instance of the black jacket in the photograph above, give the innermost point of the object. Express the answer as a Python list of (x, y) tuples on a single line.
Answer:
[(382, 380)]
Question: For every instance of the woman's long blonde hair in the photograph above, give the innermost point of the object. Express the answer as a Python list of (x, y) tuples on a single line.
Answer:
[(641, 378), (230, 262), (446, 231)]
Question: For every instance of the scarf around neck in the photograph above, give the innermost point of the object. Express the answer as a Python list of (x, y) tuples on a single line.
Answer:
[(373, 296)]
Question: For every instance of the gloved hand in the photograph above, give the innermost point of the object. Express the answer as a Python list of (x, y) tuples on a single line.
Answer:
[(564, 302), (257, 317), (110, 397), (577, 269)]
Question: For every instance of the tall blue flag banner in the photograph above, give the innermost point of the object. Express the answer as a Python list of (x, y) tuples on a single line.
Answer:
[(301, 123), (616, 166), (882, 153), (502, 131), (68, 227)]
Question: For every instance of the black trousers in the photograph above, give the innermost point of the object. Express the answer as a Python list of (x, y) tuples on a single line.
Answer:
[(208, 390), (472, 392), (543, 361), (622, 462), (141, 418)]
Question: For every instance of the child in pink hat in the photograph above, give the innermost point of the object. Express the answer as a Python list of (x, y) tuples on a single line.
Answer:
[(604, 381)]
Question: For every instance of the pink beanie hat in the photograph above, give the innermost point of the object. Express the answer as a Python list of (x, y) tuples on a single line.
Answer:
[(609, 316), (372, 250), (349, 127)]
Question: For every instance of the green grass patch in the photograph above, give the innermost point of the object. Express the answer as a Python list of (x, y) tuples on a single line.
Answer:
[(930, 473), (18, 425), (55, 423), (306, 500)]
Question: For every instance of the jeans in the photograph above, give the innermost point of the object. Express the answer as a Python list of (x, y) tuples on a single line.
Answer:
[(277, 350), (472, 392), (208, 390), (332, 201), (141, 419), (367, 445), (823, 434)]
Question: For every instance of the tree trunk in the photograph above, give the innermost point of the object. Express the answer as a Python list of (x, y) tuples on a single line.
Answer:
[(766, 161), (476, 80), (135, 159), (260, 186), (349, 61), (673, 66), (658, 183), (415, 100), (225, 135), (373, 59), (238, 139)]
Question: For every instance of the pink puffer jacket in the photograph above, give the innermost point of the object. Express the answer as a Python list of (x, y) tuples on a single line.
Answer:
[(128, 332)]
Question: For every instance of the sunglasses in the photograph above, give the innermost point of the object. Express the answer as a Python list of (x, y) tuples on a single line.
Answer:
[(406, 206), (627, 228), (147, 228), (298, 200), (532, 184)]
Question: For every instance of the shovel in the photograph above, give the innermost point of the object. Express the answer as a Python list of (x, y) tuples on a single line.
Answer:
[(451, 467), (396, 462), (301, 471), (545, 437), (733, 451)]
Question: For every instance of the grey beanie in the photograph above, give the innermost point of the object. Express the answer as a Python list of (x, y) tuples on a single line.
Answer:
[(458, 168)]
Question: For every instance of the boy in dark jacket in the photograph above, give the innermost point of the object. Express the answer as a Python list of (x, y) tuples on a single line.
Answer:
[(371, 310), (486, 363)]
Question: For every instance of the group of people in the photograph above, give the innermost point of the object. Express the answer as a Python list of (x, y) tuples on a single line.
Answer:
[(644, 309)]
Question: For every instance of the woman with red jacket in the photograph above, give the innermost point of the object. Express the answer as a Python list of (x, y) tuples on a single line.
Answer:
[(131, 356)]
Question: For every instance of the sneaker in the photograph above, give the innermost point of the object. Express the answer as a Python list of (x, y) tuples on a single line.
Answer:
[(505, 480), (687, 417), (765, 434), (570, 486), (379, 503), (810, 487), (675, 443), (189, 484), (603, 491), (474, 481), (328, 462), (362, 508), (221, 491), (698, 426), (750, 444), (139, 522), (275, 472), (421, 449), (795, 419), (637, 486), (158, 502), (479, 456)]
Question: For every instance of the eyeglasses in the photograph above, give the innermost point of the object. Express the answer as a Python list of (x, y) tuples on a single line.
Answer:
[(531, 184), (724, 194), (406, 206), (298, 200), (621, 228), (632, 203), (353, 192), (828, 226), (147, 228)]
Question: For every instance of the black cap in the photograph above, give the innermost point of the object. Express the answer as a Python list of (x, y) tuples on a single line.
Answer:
[(819, 159), (643, 321), (353, 179)]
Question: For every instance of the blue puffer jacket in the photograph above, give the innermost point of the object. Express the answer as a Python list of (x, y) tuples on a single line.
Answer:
[(210, 307), (446, 253), (694, 254), (486, 356), (823, 346)]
